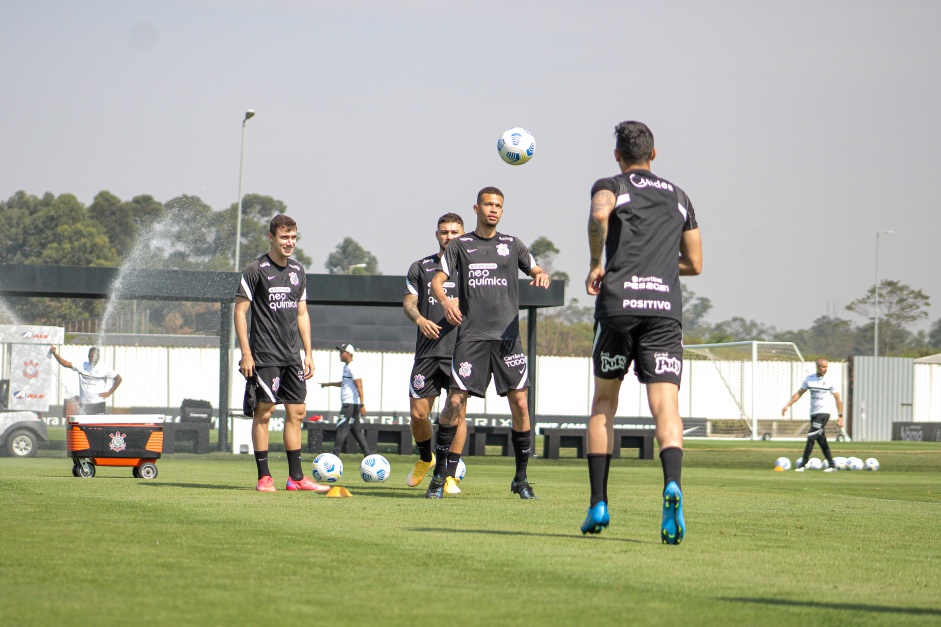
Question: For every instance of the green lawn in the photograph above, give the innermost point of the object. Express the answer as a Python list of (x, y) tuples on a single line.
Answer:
[(198, 546)]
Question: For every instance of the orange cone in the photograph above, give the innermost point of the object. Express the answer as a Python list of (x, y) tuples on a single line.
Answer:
[(337, 491)]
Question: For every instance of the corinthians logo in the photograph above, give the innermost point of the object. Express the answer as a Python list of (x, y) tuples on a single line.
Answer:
[(31, 370), (465, 370), (418, 382), (118, 441)]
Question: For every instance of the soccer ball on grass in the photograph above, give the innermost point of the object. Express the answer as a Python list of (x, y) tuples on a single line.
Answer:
[(327, 468), (872, 463), (782, 464), (375, 468)]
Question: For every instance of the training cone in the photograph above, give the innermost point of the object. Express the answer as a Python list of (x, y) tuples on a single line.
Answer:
[(337, 491), (776, 469)]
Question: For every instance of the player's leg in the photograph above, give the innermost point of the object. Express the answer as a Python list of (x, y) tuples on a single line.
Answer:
[(260, 420), (454, 454), (824, 444), (452, 414), (422, 432), (816, 428), (343, 427), (522, 443), (356, 428), (293, 419)]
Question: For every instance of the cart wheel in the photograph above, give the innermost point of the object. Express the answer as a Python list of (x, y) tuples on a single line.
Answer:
[(136, 472), (86, 470), (147, 471), (840, 438), (766, 437), (75, 468)]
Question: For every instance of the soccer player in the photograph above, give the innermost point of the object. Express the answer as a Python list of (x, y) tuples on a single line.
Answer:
[(276, 358), (485, 265), (434, 346), (642, 224), (93, 380), (352, 402), (820, 392)]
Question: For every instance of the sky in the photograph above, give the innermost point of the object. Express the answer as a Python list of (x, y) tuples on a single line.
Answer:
[(799, 129)]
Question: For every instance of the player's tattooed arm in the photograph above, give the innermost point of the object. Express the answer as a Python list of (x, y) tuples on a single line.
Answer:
[(428, 328), (602, 204)]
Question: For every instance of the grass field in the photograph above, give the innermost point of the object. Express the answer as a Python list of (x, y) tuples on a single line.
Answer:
[(197, 545)]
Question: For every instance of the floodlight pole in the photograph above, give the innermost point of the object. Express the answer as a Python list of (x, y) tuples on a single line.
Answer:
[(238, 218), (875, 313)]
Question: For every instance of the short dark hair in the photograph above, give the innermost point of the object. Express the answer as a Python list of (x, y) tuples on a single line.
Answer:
[(489, 190), (634, 142), (282, 221), (450, 217)]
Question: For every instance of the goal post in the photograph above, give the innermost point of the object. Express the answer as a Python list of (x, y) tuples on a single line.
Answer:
[(740, 387)]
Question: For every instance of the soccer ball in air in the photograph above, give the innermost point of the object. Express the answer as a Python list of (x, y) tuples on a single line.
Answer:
[(782, 464), (461, 470), (854, 463), (814, 463), (375, 468), (516, 146), (327, 468), (872, 463)]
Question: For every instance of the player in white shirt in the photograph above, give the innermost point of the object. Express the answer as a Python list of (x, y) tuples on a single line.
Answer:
[(821, 390), (92, 381)]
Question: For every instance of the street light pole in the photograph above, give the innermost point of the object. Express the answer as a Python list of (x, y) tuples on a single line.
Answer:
[(238, 219), (875, 348)]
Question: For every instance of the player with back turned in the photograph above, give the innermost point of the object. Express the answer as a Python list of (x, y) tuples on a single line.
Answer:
[(431, 372), (646, 229), (485, 265)]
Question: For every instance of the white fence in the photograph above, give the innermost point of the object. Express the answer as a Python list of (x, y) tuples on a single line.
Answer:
[(163, 377)]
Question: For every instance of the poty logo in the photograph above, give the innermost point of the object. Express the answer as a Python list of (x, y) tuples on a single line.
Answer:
[(610, 364), (293, 277), (642, 181), (118, 441), (503, 250), (418, 382), (465, 370), (665, 363), (31, 371)]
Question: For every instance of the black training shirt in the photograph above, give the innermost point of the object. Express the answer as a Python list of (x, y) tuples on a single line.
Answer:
[(274, 293), (642, 274), (418, 282)]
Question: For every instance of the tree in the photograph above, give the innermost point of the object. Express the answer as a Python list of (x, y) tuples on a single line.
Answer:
[(544, 252), (695, 309), (831, 338), (737, 329), (349, 253), (257, 211), (934, 334), (115, 219), (900, 306)]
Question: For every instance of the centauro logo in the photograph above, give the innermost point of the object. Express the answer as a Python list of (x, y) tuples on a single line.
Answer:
[(665, 363), (611, 363)]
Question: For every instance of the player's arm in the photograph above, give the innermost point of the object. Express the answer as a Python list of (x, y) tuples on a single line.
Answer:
[(362, 399), (839, 409), (452, 310), (793, 400), (331, 384), (691, 253), (246, 363), (62, 362), (602, 204), (303, 327), (428, 328), (540, 277), (114, 386)]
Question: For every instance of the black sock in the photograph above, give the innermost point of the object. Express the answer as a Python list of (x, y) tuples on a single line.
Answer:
[(808, 448), (598, 477), (453, 459), (424, 450), (295, 468), (672, 460), (442, 447), (261, 460), (522, 445)]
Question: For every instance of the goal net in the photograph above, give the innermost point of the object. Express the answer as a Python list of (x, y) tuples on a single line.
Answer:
[(739, 389)]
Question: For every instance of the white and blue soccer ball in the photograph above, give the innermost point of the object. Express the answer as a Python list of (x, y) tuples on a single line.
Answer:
[(854, 463), (327, 468), (516, 146), (783, 463), (461, 470), (375, 468), (872, 463), (840, 463), (814, 463)]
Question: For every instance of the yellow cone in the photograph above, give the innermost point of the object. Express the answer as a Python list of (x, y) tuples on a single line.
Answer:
[(337, 491), (776, 469)]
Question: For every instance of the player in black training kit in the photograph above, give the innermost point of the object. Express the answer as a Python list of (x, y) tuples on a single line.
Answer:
[(643, 224), (485, 265), (276, 358), (433, 349)]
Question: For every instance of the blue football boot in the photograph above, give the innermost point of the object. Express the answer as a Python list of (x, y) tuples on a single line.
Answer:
[(673, 526), (597, 519)]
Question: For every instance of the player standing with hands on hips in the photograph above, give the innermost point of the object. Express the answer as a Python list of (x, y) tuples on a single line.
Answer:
[(276, 358), (641, 224), (820, 392), (486, 264)]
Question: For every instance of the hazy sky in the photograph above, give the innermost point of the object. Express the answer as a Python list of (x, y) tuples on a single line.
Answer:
[(798, 129)]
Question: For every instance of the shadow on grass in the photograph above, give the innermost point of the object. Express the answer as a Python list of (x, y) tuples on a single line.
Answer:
[(502, 532), (856, 607), (197, 486)]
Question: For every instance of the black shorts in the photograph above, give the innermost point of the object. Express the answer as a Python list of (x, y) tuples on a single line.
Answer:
[(818, 425), (655, 345), (473, 364), (281, 385), (429, 376)]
